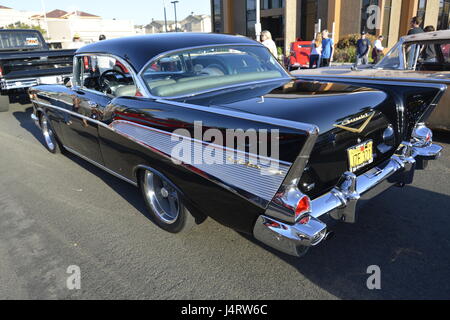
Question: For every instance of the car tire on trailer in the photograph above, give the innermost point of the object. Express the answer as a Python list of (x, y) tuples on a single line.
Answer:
[(50, 140), (164, 203), (4, 102)]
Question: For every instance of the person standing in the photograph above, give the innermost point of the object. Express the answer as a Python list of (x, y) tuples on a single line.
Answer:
[(428, 53), (77, 43), (415, 26), (267, 41), (316, 52), (377, 49), (362, 50), (327, 49)]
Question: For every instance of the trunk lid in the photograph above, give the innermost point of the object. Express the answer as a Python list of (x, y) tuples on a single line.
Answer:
[(347, 115)]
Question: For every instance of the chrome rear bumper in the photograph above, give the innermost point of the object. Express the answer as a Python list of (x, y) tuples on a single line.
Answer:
[(342, 203)]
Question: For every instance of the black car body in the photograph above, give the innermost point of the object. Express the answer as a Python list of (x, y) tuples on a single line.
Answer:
[(338, 143), (26, 61)]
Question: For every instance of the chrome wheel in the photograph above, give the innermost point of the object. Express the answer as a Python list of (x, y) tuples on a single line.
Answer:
[(162, 197), (48, 134)]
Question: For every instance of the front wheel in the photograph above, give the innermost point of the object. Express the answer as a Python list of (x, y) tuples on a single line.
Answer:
[(51, 143), (164, 203)]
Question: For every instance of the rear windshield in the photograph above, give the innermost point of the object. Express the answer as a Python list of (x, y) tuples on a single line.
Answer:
[(19, 40), (198, 70)]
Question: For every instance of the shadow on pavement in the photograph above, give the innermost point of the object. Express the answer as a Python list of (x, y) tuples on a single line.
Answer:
[(24, 119), (404, 232)]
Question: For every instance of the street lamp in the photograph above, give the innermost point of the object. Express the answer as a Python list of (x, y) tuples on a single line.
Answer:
[(175, 9), (165, 16)]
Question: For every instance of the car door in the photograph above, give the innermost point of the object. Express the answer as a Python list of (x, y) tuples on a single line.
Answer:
[(89, 99)]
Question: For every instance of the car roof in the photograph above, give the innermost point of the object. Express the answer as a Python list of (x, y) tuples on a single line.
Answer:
[(428, 36), (139, 50)]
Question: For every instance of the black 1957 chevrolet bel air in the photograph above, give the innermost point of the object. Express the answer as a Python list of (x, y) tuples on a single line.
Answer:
[(190, 120)]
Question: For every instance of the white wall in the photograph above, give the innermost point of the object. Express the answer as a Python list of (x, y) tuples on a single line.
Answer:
[(89, 29)]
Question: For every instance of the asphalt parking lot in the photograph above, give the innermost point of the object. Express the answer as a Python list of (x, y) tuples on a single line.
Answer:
[(59, 211)]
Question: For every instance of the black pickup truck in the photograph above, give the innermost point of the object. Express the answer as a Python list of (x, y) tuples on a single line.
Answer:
[(26, 61)]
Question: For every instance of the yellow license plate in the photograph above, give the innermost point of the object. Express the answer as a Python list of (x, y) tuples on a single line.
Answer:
[(360, 156)]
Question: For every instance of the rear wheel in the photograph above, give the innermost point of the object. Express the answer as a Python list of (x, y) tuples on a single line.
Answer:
[(4, 102), (164, 203), (50, 141)]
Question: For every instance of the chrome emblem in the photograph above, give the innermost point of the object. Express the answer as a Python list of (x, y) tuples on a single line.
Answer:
[(344, 125)]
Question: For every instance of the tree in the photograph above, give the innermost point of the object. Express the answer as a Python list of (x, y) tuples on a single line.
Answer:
[(21, 25)]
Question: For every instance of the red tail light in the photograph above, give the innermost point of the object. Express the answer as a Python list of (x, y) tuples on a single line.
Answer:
[(1, 71), (138, 94), (303, 207)]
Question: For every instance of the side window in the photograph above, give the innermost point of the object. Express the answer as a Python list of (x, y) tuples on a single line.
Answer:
[(105, 75)]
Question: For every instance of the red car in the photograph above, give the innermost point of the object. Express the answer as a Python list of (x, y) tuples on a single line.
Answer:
[(300, 54)]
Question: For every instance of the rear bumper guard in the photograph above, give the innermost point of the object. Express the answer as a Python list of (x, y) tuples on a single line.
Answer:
[(343, 202)]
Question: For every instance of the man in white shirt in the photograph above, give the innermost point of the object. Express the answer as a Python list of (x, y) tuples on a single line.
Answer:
[(377, 49), (266, 40)]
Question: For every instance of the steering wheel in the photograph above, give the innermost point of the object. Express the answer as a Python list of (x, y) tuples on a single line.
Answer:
[(105, 84)]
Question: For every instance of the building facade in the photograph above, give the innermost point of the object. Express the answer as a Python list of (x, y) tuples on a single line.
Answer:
[(192, 23), (288, 20), (62, 26)]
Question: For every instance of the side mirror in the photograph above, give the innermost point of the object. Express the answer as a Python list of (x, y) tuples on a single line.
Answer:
[(68, 82)]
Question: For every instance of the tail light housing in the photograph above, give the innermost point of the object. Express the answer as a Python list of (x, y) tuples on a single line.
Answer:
[(1, 71), (302, 210)]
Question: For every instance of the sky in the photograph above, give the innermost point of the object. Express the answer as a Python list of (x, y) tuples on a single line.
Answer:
[(141, 11)]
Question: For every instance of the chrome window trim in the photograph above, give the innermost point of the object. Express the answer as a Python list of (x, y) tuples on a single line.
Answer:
[(141, 72), (137, 80)]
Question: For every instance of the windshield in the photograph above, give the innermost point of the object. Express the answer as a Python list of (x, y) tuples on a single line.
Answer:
[(198, 70), (392, 61), (19, 40)]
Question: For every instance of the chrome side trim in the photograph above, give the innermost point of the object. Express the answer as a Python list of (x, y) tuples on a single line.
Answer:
[(98, 165), (260, 181), (70, 112)]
